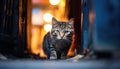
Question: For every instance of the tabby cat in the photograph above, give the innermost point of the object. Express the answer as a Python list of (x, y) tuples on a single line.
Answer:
[(57, 42)]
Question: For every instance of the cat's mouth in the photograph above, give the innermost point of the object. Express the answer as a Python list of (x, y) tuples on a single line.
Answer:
[(59, 37)]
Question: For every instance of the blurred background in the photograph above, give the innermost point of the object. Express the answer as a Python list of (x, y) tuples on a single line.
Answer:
[(25, 22)]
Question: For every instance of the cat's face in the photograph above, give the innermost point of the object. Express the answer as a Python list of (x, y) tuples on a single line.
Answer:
[(62, 30)]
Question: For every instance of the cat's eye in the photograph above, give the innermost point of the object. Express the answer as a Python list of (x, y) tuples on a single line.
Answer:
[(57, 30), (54, 33), (66, 31)]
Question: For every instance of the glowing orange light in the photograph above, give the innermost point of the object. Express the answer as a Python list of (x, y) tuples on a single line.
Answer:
[(47, 17), (47, 27), (54, 2)]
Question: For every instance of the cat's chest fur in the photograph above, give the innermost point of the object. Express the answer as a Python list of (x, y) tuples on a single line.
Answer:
[(61, 45)]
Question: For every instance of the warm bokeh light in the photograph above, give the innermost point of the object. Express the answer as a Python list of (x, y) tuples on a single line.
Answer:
[(47, 27), (36, 17), (47, 17), (54, 2)]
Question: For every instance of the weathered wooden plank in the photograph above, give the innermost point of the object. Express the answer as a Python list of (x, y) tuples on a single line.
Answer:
[(75, 12)]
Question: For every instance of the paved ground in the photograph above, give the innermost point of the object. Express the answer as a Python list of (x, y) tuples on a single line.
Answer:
[(60, 64)]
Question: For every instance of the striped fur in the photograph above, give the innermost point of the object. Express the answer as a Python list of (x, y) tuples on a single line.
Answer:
[(57, 42)]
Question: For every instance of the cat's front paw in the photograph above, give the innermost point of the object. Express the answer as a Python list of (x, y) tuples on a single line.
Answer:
[(53, 58), (53, 55)]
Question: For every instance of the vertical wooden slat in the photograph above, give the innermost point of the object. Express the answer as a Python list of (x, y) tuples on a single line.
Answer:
[(15, 18), (20, 24), (29, 11), (8, 17), (22, 30), (15, 22), (24, 24), (2, 15), (75, 12)]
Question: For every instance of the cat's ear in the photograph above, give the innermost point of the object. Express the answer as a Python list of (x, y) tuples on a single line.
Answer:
[(54, 21), (71, 21)]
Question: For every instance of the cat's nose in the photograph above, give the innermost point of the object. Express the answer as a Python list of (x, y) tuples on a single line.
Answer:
[(61, 34)]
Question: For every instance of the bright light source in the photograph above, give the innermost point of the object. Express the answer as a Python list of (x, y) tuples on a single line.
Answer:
[(36, 16), (54, 2), (47, 17), (47, 27)]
